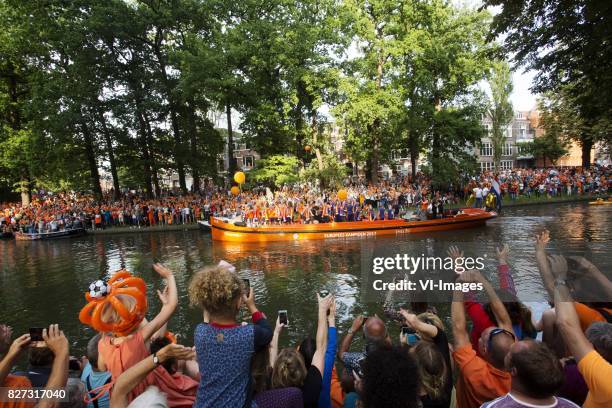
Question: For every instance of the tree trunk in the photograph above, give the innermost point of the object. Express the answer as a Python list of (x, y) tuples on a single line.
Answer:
[(15, 123), (231, 164), (414, 153), (24, 189), (193, 139), (91, 160), (146, 155), (152, 162), (111, 156), (586, 146), (178, 140)]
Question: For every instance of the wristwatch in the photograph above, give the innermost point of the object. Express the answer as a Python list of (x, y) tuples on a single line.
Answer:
[(155, 359), (560, 282), (350, 331)]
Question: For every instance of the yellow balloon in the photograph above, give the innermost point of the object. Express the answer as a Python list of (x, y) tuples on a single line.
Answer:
[(342, 194), (235, 190), (307, 148), (239, 177)]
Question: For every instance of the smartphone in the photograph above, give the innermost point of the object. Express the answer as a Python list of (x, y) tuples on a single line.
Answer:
[(412, 339), (36, 334), (407, 330), (247, 286), (36, 337), (324, 293), (282, 317)]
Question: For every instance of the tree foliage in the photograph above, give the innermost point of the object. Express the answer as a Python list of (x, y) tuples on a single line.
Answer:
[(500, 108), (569, 43)]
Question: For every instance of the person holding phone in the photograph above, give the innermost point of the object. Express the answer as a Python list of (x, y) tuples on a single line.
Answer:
[(290, 368), (224, 348), (425, 333)]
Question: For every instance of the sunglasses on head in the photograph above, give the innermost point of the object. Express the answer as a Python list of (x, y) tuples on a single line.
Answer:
[(497, 331)]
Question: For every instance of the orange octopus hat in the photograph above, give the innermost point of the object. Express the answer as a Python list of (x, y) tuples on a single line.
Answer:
[(102, 293)]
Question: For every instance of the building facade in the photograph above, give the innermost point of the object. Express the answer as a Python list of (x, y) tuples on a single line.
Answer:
[(521, 130)]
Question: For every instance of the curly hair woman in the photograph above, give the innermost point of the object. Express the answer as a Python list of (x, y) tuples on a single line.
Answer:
[(224, 347)]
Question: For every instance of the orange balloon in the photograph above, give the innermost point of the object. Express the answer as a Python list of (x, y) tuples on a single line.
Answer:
[(239, 177), (235, 190), (342, 194)]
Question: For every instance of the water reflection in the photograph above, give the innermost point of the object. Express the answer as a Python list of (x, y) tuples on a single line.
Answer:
[(43, 282)]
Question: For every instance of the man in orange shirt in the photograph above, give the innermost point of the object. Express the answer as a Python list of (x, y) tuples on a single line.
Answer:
[(482, 378), (593, 354)]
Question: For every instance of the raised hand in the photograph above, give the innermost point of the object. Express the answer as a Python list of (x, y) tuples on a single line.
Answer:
[(162, 270), (56, 341), (454, 252), (502, 254), (558, 266), (163, 296), (325, 302), (541, 240), (176, 351), (250, 301), (331, 317), (18, 345), (279, 326), (409, 318), (358, 323)]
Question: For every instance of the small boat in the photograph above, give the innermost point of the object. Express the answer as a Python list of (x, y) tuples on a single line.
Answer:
[(601, 201), (26, 236), (465, 218), (204, 226)]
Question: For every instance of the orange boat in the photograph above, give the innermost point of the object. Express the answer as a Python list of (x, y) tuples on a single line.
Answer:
[(465, 218)]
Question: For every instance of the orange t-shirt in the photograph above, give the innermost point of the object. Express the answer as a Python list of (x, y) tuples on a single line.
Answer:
[(479, 381), (588, 315), (596, 372), (120, 357), (15, 381)]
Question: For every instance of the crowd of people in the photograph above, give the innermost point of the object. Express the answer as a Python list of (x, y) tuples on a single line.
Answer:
[(403, 197), (494, 362)]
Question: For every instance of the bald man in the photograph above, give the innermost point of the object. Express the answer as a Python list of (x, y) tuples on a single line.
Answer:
[(374, 333), (483, 378)]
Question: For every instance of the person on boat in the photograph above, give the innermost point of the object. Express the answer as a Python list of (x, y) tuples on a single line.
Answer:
[(478, 195)]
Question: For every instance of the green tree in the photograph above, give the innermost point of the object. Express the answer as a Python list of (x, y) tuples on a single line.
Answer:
[(276, 171), (500, 108), (569, 44)]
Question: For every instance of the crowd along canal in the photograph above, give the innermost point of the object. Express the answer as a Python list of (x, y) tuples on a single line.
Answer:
[(44, 282)]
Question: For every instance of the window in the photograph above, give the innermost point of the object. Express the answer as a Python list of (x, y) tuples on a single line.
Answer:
[(520, 115), (522, 131), (487, 127), (507, 149), (248, 162), (486, 150), (484, 166), (506, 164)]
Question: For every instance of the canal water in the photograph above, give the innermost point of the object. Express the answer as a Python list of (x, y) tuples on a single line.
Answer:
[(44, 282)]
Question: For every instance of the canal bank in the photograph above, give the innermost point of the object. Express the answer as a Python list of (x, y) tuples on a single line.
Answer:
[(520, 202)]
